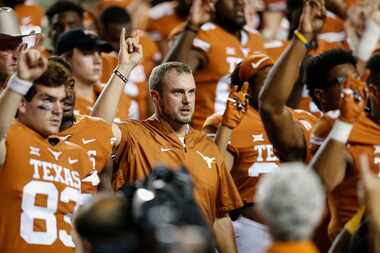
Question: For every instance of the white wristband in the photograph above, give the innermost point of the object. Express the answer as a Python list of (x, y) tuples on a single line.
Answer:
[(18, 85), (341, 131), (369, 40)]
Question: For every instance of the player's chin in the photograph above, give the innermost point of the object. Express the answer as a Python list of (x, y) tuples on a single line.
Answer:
[(54, 127), (184, 119), (93, 77), (240, 22)]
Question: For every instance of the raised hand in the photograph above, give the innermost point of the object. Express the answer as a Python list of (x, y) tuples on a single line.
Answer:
[(354, 99), (370, 185), (130, 53), (372, 10), (31, 64), (237, 105), (312, 18), (201, 11)]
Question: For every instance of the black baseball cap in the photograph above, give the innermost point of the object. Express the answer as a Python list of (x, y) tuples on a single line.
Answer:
[(81, 39)]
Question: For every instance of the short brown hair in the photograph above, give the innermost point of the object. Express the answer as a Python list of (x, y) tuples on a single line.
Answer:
[(159, 72), (58, 73)]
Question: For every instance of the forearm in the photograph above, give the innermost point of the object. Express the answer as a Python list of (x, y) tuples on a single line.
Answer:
[(296, 95), (9, 102), (224, 235), (107, 103), (181, 47), (330, 161), (282, 78), (223, 136)]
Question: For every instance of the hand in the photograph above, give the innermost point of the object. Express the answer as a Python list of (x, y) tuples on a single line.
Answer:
[(354, 100), (31, 64), (355, 22), (370, 189), (372, 10), (237, 106), (201, 11), (312, 18), (338, 7), (130, 53)]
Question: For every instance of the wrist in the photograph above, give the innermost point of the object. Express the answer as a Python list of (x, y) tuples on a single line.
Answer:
[(341, 131), (192, 26), (120, 75), (307, 39), (19, 85), (229, 121), (124, 69)]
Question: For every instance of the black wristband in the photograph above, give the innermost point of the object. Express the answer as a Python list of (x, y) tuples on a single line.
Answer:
[(191, 27), (120, 75)]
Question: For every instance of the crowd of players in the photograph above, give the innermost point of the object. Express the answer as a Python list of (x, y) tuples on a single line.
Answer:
[(190, 126)]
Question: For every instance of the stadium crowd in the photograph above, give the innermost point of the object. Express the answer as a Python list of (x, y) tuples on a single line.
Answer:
[(229, 126)]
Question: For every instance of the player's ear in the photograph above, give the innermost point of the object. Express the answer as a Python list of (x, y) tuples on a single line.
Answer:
[(22, 106), (87, 248), (155, 97), (372, 90), (319, 95)]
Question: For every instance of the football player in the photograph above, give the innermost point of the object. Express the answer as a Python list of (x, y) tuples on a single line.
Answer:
[(213, 47), (40, 173)]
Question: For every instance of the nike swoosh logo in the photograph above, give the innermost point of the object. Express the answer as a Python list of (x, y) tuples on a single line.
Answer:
[(84, 141), (166, 149), (257, 64), (72, 161)]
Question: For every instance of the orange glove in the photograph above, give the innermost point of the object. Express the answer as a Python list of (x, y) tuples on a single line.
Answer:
[(237, 105), (354, 100)]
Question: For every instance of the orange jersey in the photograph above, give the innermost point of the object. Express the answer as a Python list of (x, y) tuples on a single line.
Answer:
[(40, 186), (103, 4), (95, 136), (162, 20), (364, 138), (83, 106), (212, 79), (148, 143), (275, 48), (134, 100), (29, 14), (292, 247), (333, 35), (253, 153)]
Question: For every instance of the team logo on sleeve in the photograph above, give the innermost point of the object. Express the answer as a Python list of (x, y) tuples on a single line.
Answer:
[(208, 160), (55, 154)]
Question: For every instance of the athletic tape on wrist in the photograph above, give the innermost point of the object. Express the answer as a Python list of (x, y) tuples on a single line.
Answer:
[(19, 86), (341, 131)]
